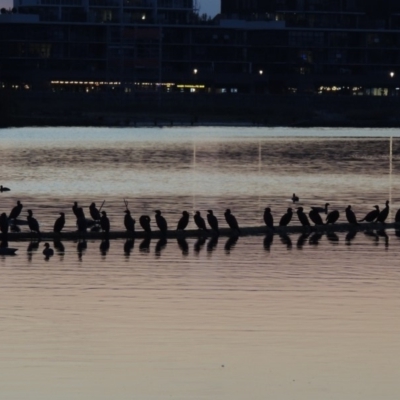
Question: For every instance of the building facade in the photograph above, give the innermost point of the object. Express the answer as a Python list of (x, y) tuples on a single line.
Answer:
[(265, 46)]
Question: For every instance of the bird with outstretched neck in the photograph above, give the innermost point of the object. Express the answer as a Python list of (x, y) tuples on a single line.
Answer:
[(231, 220), (105, 223), (183, 222), (94, 212), (213, 221), (321, 209), (199, 221), (161, 222)]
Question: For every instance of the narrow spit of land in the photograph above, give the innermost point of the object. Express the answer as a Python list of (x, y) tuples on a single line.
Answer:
[(224, 232)]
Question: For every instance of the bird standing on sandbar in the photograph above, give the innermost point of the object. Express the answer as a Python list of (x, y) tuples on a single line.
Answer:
[(144, 222), (59, 224), (286, 218), (199, 221), (268, 218), (33, 223), (315, 217), (332, 217), (350, 216), (183, 222), (161, 222), (129, 222), (105, 222), (384, 213), (14, 214), (4, 224), (372, 215), (302, 217), (94, 212), (75, 209), (231, 220), (212, 221)]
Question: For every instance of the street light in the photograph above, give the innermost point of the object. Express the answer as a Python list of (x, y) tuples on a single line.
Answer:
[(260, 71), (391, 73), (195, 71)]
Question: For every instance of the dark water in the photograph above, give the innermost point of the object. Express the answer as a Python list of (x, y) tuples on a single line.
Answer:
[(295, 318)]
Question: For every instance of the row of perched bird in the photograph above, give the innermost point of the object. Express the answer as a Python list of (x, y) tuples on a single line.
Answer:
[(100, 219)]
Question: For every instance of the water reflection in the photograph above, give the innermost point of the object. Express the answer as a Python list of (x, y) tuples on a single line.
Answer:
[(315, 238), (268, 240), (199, 244), (285, 239), (144, 246), (350, 237), (302, 240), (212, 243), (104, 247), (128, 246), (183, 245), (230, 244), (160, 246)]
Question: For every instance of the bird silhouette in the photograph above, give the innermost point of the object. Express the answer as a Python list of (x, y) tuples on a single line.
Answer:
[(231, 220), (372, 215), (212, 221), (199, 221), (59, 224), (184, 221), (383, 214), (129, 222), (350, 216), (161, 222), (286, 218), (268, 218), (16, 211)]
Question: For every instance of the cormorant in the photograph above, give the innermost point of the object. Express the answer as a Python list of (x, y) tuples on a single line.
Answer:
[(48, 251), (75, 209), (129, 222), (105, 222), (268, 218), (32, 223), (199, 221), (14, 214), (212, 221), (350, 216), (332, 217), (3, 224), (144, 222), (372, 215), (397, 216), (302, 217), (94, 212), (183, 222), (231, 220), (59, 224), (286, 218), (161, 222), (321, 209), (384, 213), (295, 198), (4, 189), (315, 217)]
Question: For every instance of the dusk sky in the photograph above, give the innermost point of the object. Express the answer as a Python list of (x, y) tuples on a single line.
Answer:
[(211, 7)]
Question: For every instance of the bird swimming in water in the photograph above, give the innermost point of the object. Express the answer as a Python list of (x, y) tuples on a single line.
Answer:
[(48, 251), (144, 222), (295, 198), (315, 217), (302, 217), (161, 222), (59, 224), (332, 217), (129, 222), (231, 220), (199, 221), (32, 223), (212, 221), (268, 218), (94, 212), (384, 213), (4, 189), (286, 218), (14, 214), (372, 215), (183, 222), (4, 224), (350, 216), (321, 209), (104, 222)]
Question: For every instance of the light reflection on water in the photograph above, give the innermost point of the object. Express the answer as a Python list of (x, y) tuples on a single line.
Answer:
[(296, 318)]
